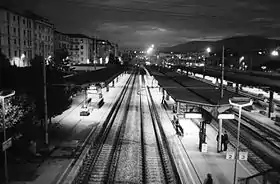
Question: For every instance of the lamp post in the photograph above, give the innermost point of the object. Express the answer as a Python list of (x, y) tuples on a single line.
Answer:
[(239, 102), (45, 100), (3, 95)]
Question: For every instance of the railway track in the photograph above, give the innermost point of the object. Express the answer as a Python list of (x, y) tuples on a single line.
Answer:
[(157, 160), (260, 132), (105, 160), (164, 157), (99, 165)]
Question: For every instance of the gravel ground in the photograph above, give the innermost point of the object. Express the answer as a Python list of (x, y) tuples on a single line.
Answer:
[(130, 158)]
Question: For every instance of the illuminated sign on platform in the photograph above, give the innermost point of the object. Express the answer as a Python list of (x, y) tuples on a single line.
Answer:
[(226, 116), (193, 115)]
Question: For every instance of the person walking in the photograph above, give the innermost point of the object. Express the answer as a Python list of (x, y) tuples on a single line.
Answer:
[(178, 128), (208, 179), (225, 141)]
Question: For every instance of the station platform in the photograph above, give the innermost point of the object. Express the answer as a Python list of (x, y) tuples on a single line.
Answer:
[(193, 164), (51, 170)]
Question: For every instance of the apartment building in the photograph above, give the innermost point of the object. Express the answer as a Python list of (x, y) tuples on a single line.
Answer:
[(16, 37), (81, 49), (62, 41), (43, 35), (103, 50)]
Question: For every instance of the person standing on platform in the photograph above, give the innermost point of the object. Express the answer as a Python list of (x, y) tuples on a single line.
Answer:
[(209, 179), (225, 141), (222, 141)]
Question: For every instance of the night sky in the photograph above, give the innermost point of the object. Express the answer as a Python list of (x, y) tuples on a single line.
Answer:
[(138, 23)]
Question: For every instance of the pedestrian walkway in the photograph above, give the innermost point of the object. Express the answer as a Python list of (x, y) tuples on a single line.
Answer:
[(195, 165), (50, 170)]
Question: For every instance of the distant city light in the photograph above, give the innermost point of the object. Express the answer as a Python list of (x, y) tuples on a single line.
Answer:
[(135, 52), (22, 56), (263, 67), (260, 53), (208, 50), (274, 53)]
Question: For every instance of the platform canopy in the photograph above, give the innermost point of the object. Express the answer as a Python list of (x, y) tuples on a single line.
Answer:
[(105, 75)]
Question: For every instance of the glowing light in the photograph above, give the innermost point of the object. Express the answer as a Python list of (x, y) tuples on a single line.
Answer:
[(150, 50), (208, 50), (107, 59), (22, 56), (274, 53)]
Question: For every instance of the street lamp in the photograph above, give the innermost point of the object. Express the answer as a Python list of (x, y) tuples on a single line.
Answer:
[(3, 95), (274, 53), (239, 102)]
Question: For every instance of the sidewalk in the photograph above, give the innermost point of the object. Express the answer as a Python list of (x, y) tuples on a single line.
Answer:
[(72, 130), (194, 165)]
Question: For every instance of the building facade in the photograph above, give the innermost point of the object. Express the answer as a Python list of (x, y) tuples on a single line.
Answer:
[(103, 50), (62, 41), (16, 37), (81, 49), (43, 36)]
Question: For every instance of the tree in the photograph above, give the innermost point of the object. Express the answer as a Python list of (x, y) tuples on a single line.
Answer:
[(58, 95), (60, 57), (18, 108)]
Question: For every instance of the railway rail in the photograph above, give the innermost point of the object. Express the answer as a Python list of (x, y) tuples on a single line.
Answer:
[(158, 152), (104, 160), (87, 147), (99, 165)]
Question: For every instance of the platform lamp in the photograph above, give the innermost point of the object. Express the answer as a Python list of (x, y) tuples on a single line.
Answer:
[(239, 102), (5, 94)]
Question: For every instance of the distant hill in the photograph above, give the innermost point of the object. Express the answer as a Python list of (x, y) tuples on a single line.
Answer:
[(237, 43)]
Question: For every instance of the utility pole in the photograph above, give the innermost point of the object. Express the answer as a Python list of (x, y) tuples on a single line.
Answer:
[(222, 71), (95, 48), (45, 103)]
